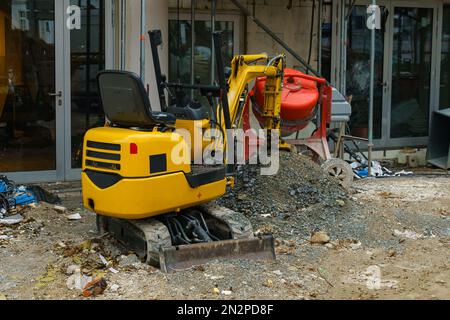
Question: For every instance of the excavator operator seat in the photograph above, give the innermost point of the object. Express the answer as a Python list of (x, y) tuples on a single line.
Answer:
[(126, 103)]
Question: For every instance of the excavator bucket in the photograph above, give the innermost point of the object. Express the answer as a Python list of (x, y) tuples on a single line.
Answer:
[(184, 257)]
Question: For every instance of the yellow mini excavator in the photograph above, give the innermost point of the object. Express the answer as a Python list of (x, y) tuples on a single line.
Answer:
[(158, 207)]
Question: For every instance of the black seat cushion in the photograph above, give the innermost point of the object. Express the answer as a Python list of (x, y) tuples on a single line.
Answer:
[(126, 103)]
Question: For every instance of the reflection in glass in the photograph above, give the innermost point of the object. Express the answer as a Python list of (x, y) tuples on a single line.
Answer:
[(411, 72), (27, 77), (87, 59), (358, 73), (327, 36), (181, 50)]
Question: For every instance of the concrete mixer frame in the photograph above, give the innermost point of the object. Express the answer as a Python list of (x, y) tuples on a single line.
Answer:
[(318, 142)]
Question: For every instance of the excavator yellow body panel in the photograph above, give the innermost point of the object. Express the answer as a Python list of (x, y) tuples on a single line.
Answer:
[(132, 174)]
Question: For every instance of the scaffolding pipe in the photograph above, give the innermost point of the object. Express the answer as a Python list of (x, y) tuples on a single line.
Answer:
[(193, 13), (319, 52), (142, 41), (123, 20), (213, 29), (372, 84)]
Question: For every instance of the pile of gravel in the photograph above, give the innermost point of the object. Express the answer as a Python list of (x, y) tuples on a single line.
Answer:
[(297, 201), (299, 184)]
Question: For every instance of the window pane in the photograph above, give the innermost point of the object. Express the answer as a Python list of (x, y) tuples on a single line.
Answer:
[(358, 73), (27, 77), (326, 40), (87, 53), (445, 66), (181, 50), (411, 72)]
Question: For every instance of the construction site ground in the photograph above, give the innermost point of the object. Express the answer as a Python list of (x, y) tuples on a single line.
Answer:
[(385, 238)]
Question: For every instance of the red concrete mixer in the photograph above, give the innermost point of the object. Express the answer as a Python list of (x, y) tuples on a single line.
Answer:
[(300, 98), (304, 98)]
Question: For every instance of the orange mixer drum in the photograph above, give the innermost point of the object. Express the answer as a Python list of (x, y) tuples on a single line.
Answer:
[(299, 100)]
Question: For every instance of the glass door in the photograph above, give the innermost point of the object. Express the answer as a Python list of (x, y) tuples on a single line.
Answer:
[(412, 52), (87, 54), (405, 71), (358, 69), (31, 94)]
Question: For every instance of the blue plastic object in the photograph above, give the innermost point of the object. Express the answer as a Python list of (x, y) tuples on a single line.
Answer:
[(20, 196), (363, 173), (24, 199), (2, 187)]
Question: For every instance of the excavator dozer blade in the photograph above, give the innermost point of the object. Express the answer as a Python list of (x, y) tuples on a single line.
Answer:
[(184, 257)]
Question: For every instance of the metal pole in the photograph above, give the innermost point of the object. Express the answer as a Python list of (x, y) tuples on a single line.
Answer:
[(193, 7), (123, 21), (319, 53), (372, 87), (142, 41), (213, 29)]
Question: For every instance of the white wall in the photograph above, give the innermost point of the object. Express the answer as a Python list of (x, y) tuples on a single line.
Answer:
[(157, 16)]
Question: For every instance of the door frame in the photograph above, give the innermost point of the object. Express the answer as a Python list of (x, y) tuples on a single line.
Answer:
[(437, 5), (64, 171), (387, 108), (58, 173)]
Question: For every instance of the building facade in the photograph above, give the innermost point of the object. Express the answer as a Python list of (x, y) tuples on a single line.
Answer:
[(49, 60)]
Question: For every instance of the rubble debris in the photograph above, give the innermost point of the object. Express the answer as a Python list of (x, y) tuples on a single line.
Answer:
[(103, 260), (210, 277), (320, 237), (361, 170), (12, 220), (408, 234), (77, 281), (227, 292), (61, 245), (95, 288), (72, 269), (60, 209), (114, 287), (216, 291), (74, 217), (112, 270), (129, 261), (355, 246), (340, 202)]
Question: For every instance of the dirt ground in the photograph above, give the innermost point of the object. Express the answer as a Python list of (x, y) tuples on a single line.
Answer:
[(389, 239)]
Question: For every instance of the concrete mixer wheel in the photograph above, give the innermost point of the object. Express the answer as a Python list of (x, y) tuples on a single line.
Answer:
[(339, 169)]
